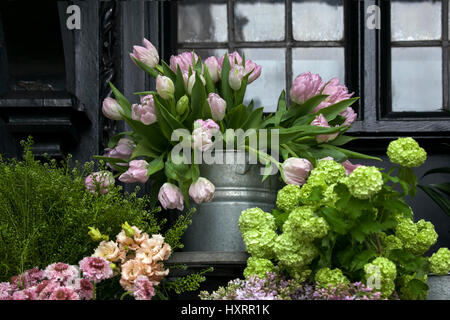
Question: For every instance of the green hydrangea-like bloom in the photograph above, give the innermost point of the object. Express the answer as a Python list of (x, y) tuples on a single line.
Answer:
[(259, 243), (416, 238), (325, 276), (292, 253), (258, 267), (288, 197), (390, 243), (304, 226), (382, 271), (364, 182), (326, 173), (440, 262), (406, 152), (255, 219)]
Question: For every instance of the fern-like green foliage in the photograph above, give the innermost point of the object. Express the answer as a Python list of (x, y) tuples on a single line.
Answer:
[(45, 212)]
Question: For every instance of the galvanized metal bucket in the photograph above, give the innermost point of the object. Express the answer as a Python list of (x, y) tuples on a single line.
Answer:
[(439, 287), (238, 187)]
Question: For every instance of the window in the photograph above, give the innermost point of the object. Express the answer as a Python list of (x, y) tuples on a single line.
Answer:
[(285, 37)]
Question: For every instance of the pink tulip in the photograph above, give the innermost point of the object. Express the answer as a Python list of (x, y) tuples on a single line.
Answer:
[(237, 72), (171, 197), (146, 54), (218, 106), (350, 116), (320, 121), (214, 69), (191, 82), (137, 172), (295, 170), (335, 92), (111, 109), (185, 61), (255, 70), (305, 86), (164, 86), (203, 133), (234, 58), (202, 190), (99, 181), (144, 112), (123, 150), (349, 167)]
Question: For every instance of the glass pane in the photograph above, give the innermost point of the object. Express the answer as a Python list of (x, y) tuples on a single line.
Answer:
[(327, 62), (416, 79), (415, 20), (318, 20), (267, 88), (259, 20), (199, 22)]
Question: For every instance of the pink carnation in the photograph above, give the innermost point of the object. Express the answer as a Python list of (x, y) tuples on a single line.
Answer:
[(27, 294), (64, 293), (61, 272), (96, 269), (45, 289), (143, 288), (5, 291), (85, 289)]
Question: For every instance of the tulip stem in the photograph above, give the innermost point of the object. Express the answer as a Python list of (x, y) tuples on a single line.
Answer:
[(263, 155), (290, 150)]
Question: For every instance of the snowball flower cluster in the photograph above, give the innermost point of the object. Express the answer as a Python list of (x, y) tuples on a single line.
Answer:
[(255, 219), (440, 262), (294, 254), (288, 197), (364, 182), (417, 237), (258, 267), (383, 272), (304, 225), (326, 172), (326, 277), (406, 152)]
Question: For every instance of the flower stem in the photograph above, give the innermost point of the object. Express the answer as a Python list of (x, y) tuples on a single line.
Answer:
[(290, 150), (93, 291), (125, 294)]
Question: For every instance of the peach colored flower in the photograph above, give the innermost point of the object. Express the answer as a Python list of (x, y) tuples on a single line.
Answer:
[(155, 272), (139, 236), (153, 249), (130, 271), (125, 242), (109, 251)]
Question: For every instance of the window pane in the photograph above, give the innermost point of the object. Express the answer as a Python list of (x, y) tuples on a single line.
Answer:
[(416, 79), (199, 22), (259, 21), (416, 20), (318, 20), (267, 88), (327, 62)]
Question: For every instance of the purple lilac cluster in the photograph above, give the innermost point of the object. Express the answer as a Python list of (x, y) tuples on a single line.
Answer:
[(276, 287), (59, 281)]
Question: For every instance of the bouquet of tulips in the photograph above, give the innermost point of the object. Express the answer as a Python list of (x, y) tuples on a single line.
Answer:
[(204, 103)]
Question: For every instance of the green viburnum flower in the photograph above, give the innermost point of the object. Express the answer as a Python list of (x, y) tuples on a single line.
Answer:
[(304, 226), (328, 194), (288, 197), (325, 276), (326, 173), (440, 262), (258, 267), (416, 238), (292, 253), (406, 152), (389, 243), (364, 182), (256, 219), (260, 243), (383, 272)]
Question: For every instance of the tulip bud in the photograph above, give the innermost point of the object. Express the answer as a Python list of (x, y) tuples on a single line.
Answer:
[(129, 231), (191, 82), (305, 86), (137, 172), (214, 68), (202, 190), (164, 86), (234, 59), (96, 235), (99, 181), (147, 54), (255, 70), (171, 197), (185, 61), (111, 109), (235, 77), (218, 106), (144, 112), (123, 150), (182, 105), (295, 171), (320, 121), (203, 133), (349, 167)]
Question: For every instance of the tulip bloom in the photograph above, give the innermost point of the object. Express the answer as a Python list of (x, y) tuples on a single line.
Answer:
[(336, 93), (349, 167), (218, 106), (144, 112), (123, 150), (170, 197), (185, 61), (295, 171), (255, 70), (350, 116), (137, 172), (146, 54), (305, 86), (237, 72), (203, 133), (320, 121), (214, 69), (164, 86), (202, 190), (111, 109)]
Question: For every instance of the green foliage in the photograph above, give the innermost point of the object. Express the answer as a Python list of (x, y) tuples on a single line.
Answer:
[(187, 283), (440, 193), (46, 212)]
